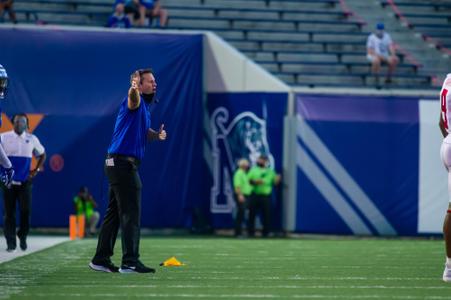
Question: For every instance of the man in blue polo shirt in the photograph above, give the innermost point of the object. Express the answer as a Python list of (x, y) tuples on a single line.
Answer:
[(20, 146), (131, 132)]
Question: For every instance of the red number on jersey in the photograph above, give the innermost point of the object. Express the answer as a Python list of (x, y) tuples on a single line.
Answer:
[(443, 105)]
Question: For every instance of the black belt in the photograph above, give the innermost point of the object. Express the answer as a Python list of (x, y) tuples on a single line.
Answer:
[(131, 159)]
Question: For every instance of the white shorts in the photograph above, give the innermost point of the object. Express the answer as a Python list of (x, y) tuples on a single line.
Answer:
[(445, 152), (372, 57)]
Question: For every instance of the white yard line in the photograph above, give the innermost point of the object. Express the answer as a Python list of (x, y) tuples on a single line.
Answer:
[(35, 243), (259, 287), (233, 296)]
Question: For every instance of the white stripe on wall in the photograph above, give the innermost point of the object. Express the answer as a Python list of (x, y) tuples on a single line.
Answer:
[(343, 179), (330, 193), (432, 188)]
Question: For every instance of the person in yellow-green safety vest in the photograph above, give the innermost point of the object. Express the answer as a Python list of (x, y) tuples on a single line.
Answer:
[(85, 205), (262, 179), (243, 190)]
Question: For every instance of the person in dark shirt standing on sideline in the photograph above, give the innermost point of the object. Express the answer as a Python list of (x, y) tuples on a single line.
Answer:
[(131, 132)]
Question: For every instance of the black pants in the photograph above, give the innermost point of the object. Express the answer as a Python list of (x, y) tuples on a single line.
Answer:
[(21, 194), (124, 210), (240, 211), (259, 203)]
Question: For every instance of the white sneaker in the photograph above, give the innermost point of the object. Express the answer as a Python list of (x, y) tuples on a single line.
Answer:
[(447, 274)]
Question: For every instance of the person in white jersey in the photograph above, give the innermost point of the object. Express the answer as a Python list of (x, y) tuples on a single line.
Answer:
[(381, 49), (445, 153), (20, 146)]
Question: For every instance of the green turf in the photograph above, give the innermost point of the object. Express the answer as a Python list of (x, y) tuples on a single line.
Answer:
[(225, 268)]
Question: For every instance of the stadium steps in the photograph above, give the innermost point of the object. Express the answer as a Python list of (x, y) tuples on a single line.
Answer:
[(61, 17), (421, 5), (273, 35), (426, 17), (321, 67), (430, 61), (355, 80), (324, 36)]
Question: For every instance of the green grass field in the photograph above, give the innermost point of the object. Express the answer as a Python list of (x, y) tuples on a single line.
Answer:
[(226, 268)]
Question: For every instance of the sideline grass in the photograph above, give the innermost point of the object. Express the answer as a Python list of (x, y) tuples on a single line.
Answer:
[(225, 268)]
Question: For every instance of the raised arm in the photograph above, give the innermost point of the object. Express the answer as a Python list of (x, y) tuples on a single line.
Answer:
[(134, 99)]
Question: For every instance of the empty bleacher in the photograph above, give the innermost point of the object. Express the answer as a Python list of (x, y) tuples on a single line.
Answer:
[(431, 18), (309, 43), (303, 42), (64, 12)]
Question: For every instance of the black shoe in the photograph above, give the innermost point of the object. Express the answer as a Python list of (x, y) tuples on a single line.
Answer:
[(23, 243), (11, 249), (104, 267), (139, 267)]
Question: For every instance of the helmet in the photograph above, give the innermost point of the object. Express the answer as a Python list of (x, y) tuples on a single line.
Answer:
[(3, 82)]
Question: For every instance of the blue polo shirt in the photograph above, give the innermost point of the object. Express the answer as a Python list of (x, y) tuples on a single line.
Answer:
[(20, 149), (130, 131), (118, 21)]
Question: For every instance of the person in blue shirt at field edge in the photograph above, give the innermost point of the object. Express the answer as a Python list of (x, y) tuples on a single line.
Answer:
[(131, 133)]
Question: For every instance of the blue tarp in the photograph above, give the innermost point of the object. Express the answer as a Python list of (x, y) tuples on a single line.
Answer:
[(367, 160), (77, 80)]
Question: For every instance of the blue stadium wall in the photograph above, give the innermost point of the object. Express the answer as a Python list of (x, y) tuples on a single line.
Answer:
[(368, 165), (76, 80), (362, 164)]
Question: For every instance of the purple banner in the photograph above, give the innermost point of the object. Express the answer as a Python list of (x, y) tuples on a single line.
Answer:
[(353, 108)]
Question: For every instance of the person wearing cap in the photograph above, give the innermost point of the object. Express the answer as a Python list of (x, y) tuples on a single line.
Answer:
[(381, 49), (243, 190), (262, 179)]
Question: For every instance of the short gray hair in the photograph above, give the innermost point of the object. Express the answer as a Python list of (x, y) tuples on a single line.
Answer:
[(243, 162)]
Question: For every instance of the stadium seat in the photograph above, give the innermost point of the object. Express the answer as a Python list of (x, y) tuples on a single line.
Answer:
[(290, 38)]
